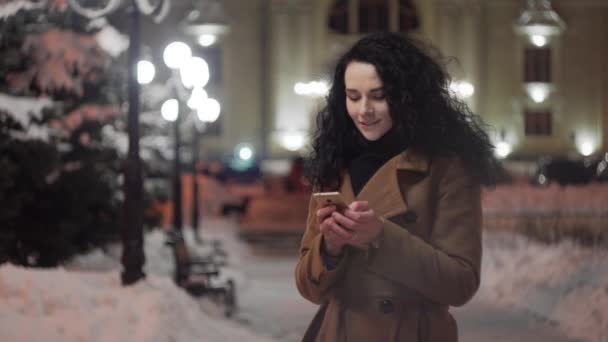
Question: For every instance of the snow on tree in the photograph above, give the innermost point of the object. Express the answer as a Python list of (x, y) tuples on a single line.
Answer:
[(9, 8), (110, 40), (63, 131), (27, 112), (59, 92), (59, 61)]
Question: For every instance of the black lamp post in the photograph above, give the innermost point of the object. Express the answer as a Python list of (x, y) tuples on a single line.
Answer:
[(195, 205), (171, 111), (133, 257), (181, 270), (207, 113), (206, 23), (177, 179), (188, 72)]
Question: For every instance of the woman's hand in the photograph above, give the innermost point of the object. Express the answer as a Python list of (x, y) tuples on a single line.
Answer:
[(335, 237), (361, 221)]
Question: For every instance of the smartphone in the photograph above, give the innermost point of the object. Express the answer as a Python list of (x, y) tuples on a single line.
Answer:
[(325, 199)]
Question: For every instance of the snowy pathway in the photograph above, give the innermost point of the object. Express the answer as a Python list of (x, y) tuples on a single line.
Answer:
[(529, 292), (478, 322), (270, 303)]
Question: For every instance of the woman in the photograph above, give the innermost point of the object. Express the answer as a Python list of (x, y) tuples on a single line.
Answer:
[(410, 159)]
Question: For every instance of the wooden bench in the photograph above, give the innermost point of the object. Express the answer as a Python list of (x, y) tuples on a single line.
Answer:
[(194, 274)]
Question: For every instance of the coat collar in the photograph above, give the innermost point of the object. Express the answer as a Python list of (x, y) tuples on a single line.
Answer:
[(382, 190), (413, 160)]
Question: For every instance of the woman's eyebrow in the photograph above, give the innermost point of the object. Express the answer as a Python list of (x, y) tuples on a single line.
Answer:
[(375, 90)]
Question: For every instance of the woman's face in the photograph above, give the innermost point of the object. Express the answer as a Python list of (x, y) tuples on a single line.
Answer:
[(366, 100)]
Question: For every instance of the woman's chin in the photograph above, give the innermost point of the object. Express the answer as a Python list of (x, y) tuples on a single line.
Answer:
[(370, 136)]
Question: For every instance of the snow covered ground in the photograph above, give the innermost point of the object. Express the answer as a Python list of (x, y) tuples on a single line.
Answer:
[(84, 301), (564, 284), (59, 305)]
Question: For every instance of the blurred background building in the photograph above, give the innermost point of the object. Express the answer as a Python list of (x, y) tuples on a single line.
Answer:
[(544, 91)]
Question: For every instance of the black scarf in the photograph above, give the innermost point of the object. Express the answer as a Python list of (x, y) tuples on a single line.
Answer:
[(373, 154)]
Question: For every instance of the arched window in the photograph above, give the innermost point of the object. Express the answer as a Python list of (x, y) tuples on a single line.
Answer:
[(408, 16), (338, 17), (373, 16)]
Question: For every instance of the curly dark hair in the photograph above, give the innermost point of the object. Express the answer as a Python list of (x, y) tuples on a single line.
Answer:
[(421, 106)]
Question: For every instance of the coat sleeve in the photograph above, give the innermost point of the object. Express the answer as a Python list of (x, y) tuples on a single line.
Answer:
[(446, 268), (313, 279)]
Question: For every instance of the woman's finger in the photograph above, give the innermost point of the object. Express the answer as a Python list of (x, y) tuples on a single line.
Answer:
[(353, 215), (359, 206), (339, 230), (366, 215), (324, 212), (324, 228), (343, 220)]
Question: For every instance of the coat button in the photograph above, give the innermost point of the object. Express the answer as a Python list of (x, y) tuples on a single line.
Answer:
[(410, 216), (386, 306)]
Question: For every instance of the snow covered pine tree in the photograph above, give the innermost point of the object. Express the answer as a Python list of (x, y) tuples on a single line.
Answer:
[(60, 132)]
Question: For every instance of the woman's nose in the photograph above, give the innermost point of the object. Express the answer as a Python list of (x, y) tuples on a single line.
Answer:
[(365, 107)]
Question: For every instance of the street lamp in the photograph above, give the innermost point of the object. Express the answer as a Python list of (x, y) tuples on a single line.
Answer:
[(175, 55), (206, 22), (133, 257), (208, 111), (462, 89), (194, 73), (197, 98), (145, 72), (189, 74), (170, 110), (539, 22)]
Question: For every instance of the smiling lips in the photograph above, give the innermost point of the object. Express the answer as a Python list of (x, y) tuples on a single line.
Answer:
[(368, 124)]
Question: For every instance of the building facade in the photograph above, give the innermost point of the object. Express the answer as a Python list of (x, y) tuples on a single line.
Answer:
[(550, 99)]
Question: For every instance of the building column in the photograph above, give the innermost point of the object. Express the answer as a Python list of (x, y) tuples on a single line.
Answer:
[(290, 62), (448, 29), (265, 81), (353, 16), (605, 115), (470, 49), (604, 109), (427, 13), (393, 15)]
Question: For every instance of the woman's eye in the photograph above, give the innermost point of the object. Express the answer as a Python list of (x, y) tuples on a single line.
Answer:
[(379, 96), (353, 98)]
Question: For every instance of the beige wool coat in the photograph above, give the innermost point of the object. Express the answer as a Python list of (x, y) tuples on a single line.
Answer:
[(428, 257)]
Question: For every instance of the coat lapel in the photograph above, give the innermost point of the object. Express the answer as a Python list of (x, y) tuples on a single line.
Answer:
[(382, 190)]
